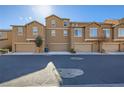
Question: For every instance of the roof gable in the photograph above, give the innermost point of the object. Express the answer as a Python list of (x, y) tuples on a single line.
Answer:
[(53, 16), (34, 22), (118, 25), (93, 23)]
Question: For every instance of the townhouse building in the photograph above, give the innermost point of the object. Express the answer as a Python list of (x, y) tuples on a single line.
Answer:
[(23, 36), (61, 34), (5, 38)]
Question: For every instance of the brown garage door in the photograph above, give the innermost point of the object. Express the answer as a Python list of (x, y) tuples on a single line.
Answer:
[(25, 47), (58, 47), (83, 47), (111, 47)]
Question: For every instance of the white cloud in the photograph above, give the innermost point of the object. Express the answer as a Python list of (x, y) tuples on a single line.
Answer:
[(30, 18), (25, 18), (42, 11), (20, 18)]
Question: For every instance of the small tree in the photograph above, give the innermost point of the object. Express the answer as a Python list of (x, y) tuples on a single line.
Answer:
[(38, 42)]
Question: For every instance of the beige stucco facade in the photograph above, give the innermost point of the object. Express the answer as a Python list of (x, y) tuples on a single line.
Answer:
[(84, 43), (59, 34), (24, 41), (59, 42), (5, 38)]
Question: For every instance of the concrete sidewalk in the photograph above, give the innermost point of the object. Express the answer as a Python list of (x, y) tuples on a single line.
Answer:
[(65, 53), (45, 77), (54, 53)]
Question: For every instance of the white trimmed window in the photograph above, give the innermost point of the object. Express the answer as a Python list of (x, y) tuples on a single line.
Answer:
[(3, 35), (93, 32), (20, 30), (106, 33), (53, 32), (65, 23), (121, 32), (77, 32), (65, 33), (53, 23), (76, 25), (35, 30)]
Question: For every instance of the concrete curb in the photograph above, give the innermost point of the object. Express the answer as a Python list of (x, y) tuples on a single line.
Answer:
[(63, 54), (96, 85)]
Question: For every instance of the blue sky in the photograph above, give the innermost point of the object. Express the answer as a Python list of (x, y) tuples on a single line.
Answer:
[(11, 15)]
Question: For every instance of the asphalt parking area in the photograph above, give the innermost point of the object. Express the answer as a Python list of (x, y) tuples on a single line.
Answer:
[(74, 69)]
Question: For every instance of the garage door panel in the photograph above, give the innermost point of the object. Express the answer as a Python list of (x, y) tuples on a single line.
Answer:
[(58, 47), (111, 47), (25, 47), (83, 48)]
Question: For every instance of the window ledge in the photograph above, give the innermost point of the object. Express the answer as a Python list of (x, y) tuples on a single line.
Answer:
[(90, 39), (118, 40), (3, 39)]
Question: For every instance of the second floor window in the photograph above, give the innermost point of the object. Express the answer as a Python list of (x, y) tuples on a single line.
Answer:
[(106, 33), (3, 35), (65, 33), (53, 23), (93, 32), (78, 32), (53, 32), (35, 31), (20, 30), (121, 32), (65, 24)]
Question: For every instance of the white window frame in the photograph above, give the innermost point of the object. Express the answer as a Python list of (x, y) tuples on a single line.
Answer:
[(20, 31), (91, 32), (79, 32), (65, 32), (65, 22), (35, 30), (73, 24), (106, 34), (53, 23), (76, 25), (120, 32), (53, 33), (3, 35)]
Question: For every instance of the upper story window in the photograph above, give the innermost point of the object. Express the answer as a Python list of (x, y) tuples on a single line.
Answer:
[(53, 32), (106, 33), (65, 33), (65, 24), (73, 24), (76, 25), (93, 32), (78, 32), (3, 35), (20, 30), (53, 23), (35, 30), (121, 32)]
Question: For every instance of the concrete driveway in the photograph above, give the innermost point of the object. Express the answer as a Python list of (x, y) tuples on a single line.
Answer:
[(74, 69)]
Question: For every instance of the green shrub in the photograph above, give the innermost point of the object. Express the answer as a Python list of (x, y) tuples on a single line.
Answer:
[(8, 47), (38, 41), (102, 51), (72, 50), (3, 51)]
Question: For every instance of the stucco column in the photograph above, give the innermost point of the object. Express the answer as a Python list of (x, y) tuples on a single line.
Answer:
[(71, 41)]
